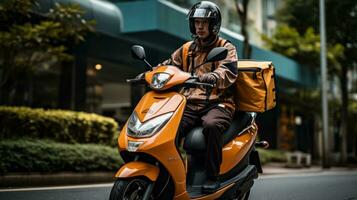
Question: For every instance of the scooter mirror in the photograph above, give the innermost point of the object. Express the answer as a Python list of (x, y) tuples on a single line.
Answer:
[(138, 52), (217, 54)]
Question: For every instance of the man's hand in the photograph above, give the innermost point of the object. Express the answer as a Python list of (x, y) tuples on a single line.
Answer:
[(208, 78)]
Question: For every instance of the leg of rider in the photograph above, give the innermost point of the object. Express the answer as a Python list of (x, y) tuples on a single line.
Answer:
[(215, 122), (188, 121)]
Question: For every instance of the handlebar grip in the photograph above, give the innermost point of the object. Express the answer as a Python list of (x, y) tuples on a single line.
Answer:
[(135, 80), (131, 80), (206, 84)]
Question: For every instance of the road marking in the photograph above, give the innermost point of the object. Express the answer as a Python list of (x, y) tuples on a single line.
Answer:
[(58, 188)]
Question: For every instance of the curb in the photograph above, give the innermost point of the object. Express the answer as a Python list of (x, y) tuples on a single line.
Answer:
[(55, 179), (281, 169)]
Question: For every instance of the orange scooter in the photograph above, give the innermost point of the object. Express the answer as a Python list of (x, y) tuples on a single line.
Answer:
[(154, 166)]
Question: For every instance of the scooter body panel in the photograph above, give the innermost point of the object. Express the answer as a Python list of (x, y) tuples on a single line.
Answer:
[(161, 145), (234, 151), (154, 104), (177, 76), (137, 168)]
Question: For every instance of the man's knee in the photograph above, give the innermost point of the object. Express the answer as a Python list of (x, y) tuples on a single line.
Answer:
[(210, 124)]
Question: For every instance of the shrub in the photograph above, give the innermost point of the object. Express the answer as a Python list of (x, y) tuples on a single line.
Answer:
[(267, 156), (28, 155), (59, 125)]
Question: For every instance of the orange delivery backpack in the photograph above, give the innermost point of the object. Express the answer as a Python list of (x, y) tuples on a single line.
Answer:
[(255, 89)]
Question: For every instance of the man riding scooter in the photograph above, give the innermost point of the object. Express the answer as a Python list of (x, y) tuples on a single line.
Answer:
[(215, 108), (191, 96)]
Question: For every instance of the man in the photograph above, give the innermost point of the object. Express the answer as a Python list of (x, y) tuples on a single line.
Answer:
[(214, 109)]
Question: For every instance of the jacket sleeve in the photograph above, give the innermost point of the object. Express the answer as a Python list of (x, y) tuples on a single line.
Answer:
[(175, 59), (227, 71)]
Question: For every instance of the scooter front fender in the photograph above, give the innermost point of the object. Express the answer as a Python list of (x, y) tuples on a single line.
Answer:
[(137, 168)]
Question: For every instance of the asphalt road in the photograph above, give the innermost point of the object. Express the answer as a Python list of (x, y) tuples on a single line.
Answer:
[(318, 186), (322, 185)]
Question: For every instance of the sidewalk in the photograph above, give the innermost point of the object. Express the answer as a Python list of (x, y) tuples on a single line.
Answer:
[(54, 179), (280, 168)]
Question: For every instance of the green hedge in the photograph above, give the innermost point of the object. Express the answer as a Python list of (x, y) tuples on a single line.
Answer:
[(267, 156), (28, 155), (58, 125)]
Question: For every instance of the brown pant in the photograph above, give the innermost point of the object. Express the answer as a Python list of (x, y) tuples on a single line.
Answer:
[(214, 120)]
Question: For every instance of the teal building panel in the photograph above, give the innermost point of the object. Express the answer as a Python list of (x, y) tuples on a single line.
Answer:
[(139, 16), (286, 67), (107, 16), (163, 18), (173, 20)]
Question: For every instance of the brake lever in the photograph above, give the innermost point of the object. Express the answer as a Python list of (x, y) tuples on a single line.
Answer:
[(194, 78)]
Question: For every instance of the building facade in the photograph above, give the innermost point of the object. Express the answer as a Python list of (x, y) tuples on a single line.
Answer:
[(96, 81)]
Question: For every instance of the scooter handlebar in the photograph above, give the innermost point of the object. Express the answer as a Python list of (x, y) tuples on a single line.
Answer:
[(135, 81), (194, 81)]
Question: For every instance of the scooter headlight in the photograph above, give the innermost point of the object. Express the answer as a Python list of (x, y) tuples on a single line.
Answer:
[(159, 80), (139, 130)]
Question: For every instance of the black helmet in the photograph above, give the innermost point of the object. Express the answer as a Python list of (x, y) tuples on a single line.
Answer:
[(205, 9)]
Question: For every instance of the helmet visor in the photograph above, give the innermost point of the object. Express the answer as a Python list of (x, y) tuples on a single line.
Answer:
[(200, 13)]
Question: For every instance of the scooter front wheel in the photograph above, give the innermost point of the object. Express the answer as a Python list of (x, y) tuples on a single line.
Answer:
[(128, 189), (244, 196)]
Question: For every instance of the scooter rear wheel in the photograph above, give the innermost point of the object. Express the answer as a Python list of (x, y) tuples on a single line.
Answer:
[(128, 189)]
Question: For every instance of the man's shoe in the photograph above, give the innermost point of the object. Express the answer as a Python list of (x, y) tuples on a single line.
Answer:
[(210, 186)]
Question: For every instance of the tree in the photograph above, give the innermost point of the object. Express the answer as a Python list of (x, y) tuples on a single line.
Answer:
[(341, 23), (242, 9), (305, 48), (31, 41)]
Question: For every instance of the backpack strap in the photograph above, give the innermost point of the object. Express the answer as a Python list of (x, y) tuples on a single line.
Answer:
[(220, 43), (186, 52)]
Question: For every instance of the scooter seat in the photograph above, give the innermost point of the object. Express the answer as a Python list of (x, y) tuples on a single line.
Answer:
[(195, 140)]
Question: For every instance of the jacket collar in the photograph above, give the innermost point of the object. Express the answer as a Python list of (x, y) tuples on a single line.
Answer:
[(206, 46)]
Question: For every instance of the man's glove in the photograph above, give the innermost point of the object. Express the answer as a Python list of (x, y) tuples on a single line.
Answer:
[(208, 78)]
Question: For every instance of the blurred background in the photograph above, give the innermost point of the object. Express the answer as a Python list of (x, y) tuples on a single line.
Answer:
[(75, 55)]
